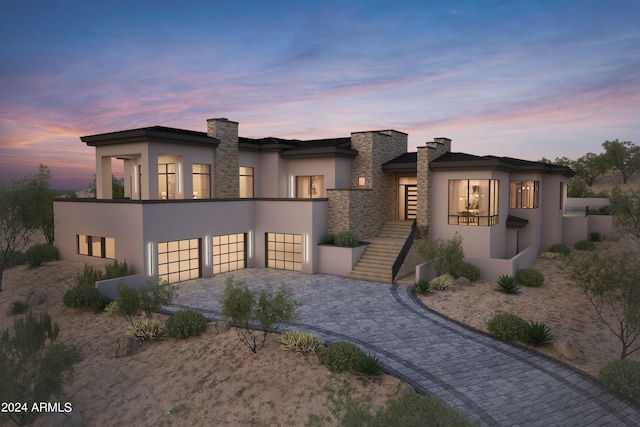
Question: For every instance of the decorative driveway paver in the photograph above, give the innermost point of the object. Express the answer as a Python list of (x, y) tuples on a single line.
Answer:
[(497, 383)]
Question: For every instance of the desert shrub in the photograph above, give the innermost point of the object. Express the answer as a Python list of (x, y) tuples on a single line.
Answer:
[(442, 282), (585, 245), (14, 258), (329, 239), (595, 236), (466, 269), (622, 376), (550, 255), (185, 323), (18, 307), (407, 410), (37, 254), (133, 302), (538, 334), (89, 276), (116, 269), (33, 366), (529, 277), (422, 286), (346, 238), (85, 296), (443, 256), (340, 356), (605, 210), (267, 308), (560, 249), (146, 329), (112, 308), (301, 342), (507, 284), (368, 365), (508, 326)]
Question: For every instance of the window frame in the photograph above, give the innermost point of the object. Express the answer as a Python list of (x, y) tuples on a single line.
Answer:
[(470, 215), (520, 199), (313, 179), (96, 246), (248, 177), (202, 178)]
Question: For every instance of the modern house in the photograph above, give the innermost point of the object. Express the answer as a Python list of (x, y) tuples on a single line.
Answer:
[(197, 204)]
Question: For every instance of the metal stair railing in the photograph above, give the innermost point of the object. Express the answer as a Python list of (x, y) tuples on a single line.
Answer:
[(403, 252)]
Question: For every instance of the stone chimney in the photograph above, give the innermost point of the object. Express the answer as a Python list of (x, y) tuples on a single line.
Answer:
[(226, 176), (438, 147), (427, 154)]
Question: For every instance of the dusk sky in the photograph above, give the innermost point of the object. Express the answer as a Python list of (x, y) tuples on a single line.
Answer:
[(525, 79)]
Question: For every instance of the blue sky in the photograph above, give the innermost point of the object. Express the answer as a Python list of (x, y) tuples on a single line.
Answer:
[(524, 79)]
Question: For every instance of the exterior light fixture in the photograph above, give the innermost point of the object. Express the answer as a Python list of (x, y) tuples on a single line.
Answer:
[(150, 257), (362, 181)]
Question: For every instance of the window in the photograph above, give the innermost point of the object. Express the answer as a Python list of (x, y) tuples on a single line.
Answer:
[(179, 260), (473, 202), (228, 253), (284, 251), (201, 181), (310, 187), (246, 182), (523, 194), (167, 181), (100, 247)]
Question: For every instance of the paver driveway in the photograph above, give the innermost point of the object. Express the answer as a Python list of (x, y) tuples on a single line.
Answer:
[(497, 383)]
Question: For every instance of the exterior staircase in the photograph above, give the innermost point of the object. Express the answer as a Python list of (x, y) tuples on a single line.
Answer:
[(376, 262)]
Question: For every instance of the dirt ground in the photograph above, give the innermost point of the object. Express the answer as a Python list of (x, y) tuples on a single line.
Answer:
[(208, 380)]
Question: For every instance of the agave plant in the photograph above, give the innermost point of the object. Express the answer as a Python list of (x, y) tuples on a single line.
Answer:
[(423, 286), (538, 334), (507, 284), (368, 365)]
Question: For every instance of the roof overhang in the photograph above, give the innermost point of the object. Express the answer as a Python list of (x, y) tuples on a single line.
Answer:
[(315, 152), (516, 222), (151, 134)]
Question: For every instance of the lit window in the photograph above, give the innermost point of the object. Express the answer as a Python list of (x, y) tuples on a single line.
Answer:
[(167, 181), (473, 202), (246, 182), (229, 252), (310, 187), (201, 181), (95, 246), (179, 260), (523, 194)]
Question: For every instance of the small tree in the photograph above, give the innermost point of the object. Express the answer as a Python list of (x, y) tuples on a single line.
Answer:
[(590, 166), (626, 208), (443, 256), (33, 367), (244, 308), (132, 302), (624, 156), (610, 282), (38, 198)]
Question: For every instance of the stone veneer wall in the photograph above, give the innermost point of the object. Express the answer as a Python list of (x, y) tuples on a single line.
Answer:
[(426, 154), (226, 176), (353, 210), (365, 207)]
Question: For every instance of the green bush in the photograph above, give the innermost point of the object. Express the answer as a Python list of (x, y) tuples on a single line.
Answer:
[(301, 342), (329, 239), (133, 302), (442, 255), (529, 277), (116, 269), (146, 329), (185, 323), (466, 269), (538, 334), (422, 286), (89, 276), (622, 376), (605, 210), (560, 249), (585, 245), (508, 326), (37, 254), (442, 282), (243, 306), (507, 284), (340, 356), (18, 307), (368, 365), (112, 308), (347, 238), (595, 236), (85, 296), (33, 366)]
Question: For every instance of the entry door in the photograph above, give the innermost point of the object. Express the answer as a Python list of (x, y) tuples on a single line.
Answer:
[(410, 201)]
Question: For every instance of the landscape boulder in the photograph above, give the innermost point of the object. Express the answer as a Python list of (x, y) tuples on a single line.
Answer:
[(123, 346), (566, 348), (31, 297), (462, 281)]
